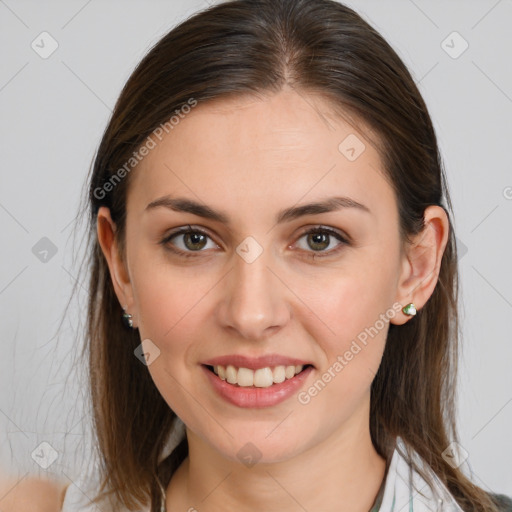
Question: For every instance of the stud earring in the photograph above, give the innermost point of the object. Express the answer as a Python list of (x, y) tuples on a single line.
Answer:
[(127, 319), (410, 309)]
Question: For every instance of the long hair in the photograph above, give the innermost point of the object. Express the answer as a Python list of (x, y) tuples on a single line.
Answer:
[(256, 47)]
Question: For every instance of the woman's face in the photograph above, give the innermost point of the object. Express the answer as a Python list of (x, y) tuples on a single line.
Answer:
[(253, 283)]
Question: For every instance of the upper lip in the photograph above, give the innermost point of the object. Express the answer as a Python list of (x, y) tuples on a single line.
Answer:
[(254, 363)]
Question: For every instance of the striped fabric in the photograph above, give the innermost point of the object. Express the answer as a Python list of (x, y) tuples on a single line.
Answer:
[(404, 490)]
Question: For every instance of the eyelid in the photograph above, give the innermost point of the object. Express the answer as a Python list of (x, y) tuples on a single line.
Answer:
[(343, 239), (326, 229), (188, 228)]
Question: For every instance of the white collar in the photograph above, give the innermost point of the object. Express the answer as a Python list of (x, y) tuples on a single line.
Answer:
[(405, 490)]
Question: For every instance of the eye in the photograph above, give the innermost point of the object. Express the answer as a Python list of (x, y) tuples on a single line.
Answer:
[(194, 240), (189, 240), (319, 239)]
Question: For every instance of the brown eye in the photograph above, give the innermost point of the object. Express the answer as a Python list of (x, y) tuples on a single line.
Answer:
[(319, 239), (194, 241), (187, 241)]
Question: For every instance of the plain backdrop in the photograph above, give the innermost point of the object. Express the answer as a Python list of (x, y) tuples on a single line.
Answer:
[(54, 109)]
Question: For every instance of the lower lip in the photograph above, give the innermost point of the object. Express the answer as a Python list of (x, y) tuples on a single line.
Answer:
[(257, 398)]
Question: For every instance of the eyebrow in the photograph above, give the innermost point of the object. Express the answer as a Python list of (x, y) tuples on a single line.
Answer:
[(331, 204)]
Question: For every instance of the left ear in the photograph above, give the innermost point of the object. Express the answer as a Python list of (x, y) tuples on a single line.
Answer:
[(422, 262)]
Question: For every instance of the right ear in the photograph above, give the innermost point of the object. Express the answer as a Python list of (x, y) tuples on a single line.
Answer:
[(106, 230)]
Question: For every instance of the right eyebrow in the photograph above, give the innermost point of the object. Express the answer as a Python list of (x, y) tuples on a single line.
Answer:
[(182, 204)]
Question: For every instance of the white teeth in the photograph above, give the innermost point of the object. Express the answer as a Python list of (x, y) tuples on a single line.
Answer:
[(245, 377), (260, 378), (289, 371), (279, 374), (231, 374)]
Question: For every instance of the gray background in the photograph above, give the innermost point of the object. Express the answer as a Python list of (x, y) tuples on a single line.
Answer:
[(53, 112)]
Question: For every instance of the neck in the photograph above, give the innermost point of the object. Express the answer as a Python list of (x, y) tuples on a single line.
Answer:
[(342, 473)]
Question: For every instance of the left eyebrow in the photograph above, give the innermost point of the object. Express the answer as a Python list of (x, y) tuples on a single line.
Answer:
[(182, 204), (330, 204)]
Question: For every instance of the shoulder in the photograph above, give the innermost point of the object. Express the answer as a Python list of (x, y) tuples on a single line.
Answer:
[(504, 502), (31, 494)]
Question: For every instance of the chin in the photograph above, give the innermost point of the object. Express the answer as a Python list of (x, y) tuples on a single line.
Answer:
[(260, 448)]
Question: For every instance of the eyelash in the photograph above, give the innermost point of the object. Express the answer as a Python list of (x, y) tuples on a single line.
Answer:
[(312, 254)]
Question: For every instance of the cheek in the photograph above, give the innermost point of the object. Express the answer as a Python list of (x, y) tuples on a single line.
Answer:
[(167, 297), (356, 312), (352, 307), (171, 313), (174, 312)]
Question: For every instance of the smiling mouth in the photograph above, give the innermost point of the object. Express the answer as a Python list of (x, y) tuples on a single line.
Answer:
[(259, 378)]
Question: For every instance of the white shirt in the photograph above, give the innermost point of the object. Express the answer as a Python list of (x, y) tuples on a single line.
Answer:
[(404, 489)]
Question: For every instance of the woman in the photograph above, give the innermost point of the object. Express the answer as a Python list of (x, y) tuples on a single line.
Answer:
[(273, 297)]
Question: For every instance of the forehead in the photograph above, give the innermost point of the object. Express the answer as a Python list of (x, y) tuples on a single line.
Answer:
[(246, 154)]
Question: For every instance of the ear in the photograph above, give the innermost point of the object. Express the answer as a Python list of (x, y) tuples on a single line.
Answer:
[(422, 262), (106, 230)]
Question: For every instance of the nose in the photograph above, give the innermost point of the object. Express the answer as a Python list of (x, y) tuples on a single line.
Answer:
[(255, 301)]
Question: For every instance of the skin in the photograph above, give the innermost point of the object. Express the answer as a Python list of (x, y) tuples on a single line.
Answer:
[(250, 158), (30, 494)]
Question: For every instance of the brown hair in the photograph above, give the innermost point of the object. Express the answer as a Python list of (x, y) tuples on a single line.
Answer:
[(256, 47)]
